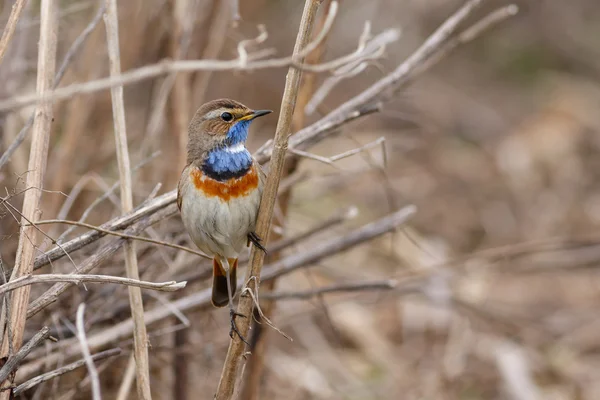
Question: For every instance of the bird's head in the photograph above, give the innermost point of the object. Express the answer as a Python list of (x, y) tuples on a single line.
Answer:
[(219, 124)]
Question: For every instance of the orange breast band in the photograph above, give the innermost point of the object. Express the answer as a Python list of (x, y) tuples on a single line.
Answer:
[(231, 188)]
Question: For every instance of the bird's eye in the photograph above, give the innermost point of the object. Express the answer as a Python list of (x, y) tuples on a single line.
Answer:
[(226, 117)]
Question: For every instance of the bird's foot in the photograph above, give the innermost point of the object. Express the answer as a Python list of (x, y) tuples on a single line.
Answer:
[(256, 240), (234, 328)]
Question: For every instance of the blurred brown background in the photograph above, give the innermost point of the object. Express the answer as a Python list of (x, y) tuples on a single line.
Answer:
[(498, 145)]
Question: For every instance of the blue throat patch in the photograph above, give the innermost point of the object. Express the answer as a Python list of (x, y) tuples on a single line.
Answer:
[(232, 160)]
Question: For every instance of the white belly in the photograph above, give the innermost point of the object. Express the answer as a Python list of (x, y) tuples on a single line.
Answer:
[(218, 227)]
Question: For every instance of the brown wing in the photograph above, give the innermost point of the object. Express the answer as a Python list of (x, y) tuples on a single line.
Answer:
[(179, 185), (262, 177)]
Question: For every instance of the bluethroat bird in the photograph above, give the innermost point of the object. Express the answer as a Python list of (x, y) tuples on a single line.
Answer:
[(219, 191)]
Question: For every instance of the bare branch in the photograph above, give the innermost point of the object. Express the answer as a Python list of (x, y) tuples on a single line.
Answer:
[(123, 235), (231, 367), (61, 371), (85, 350), (13, 362), (36, 167), (77, 279), (10, 27)]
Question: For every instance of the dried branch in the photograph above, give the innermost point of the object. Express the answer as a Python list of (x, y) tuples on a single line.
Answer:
[(37, 166), (121, 222), (265, 214), (123, 235), (63, 370), (14, 284), (89, 362), (99, 256), (140, 343), (386, 284), (73, 50), (123, 329), (13, 362), (10, 27)]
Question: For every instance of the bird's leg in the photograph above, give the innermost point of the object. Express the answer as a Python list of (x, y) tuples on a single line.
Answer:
[(232, 312)]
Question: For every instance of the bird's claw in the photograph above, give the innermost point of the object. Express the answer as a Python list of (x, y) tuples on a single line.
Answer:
[(234, 328)]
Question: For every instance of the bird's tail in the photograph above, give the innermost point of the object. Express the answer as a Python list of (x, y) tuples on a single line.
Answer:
[(220, 296)]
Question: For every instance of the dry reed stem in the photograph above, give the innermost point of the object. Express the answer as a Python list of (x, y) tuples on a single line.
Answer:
[(333, 246), (245, 307), (128, 377), (11, 25), (13, 362), (85, 350), (255, 367), (37, 165), (111, 20), (63, 370), (14, 284)]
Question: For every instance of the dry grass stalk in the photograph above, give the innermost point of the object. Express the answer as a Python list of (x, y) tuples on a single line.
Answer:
[(14, 361), (288, 103), (111, 21), (28, 238), (11, 25), (26, 280), (85, 350), (63, 370), (255, 368)]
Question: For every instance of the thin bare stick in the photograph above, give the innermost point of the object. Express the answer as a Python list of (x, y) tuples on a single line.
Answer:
[(73, 50), (63, 370), (123, 235), (140, 343), (35, 178), (99, 256), (13, 362), (233, 360), (127, 381), (121, 222), (386, 284), (85, 350), (14, 284), (10, 27)]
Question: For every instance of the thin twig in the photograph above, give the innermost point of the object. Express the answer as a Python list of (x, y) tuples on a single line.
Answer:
[(123, 235), (36, 167), (63, 370), (170, 286), (140, 343), (13, 362), (73, 50), (386, 284), (99, 256), (10, 27), (232, 364), (85, 350)]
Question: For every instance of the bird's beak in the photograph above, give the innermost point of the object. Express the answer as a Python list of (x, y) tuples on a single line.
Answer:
[(255, 114)]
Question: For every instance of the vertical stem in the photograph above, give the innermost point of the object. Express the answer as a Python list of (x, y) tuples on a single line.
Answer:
[(135, 295), (11, 25), (256, 365), (38, 155), (236, 346)]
